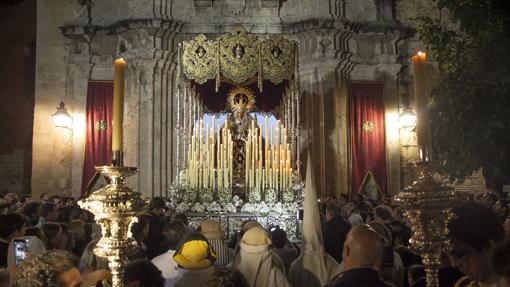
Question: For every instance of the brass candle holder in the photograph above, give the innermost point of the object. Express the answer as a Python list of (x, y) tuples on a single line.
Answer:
[(115, 207), (428, 205)]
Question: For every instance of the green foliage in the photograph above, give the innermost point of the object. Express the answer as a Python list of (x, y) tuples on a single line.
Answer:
[(470, 112)]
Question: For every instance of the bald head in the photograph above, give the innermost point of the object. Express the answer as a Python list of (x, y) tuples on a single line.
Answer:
[(363, 248)]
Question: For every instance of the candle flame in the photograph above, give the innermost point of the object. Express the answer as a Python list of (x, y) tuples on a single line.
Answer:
[(420, 53)]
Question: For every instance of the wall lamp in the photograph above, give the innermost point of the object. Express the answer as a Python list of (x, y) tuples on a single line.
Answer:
[(61, 118)]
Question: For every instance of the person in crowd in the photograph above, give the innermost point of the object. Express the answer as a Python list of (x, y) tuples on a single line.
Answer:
[(64, 214), (155, 236), (416, 276), (501, 262), (501, 209), (392, 269), (343, 199), (256, 261), (280, 247), (330, 199), (56, 268), (173, 232), (33, 211), (335, 231), (506, 226), (54, 236), (215, 233), (363, 250), (195, 258), (95, 267), (383, 214), (140, 232), (142, 273), (227, 277), (44, 197), (67, 239), (474, 230), (50, 213), (11, 225), (37, 232), (488, 199), (182, 218), (77, 229), (57, 200), (353, 210)]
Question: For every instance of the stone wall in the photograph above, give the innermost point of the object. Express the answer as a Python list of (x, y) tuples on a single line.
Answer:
[(14, 171), (17, 55), (343, 41)]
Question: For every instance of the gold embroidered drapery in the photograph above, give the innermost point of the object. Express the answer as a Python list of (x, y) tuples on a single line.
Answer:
[(239, 56)]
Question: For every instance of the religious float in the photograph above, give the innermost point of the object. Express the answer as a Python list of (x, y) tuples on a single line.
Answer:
[(237, 132)]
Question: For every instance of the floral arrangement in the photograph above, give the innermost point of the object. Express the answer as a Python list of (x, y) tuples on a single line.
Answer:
[(184, 199)]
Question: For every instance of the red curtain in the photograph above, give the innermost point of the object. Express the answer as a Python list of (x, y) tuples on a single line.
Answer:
[(98, 139), (368, 135)]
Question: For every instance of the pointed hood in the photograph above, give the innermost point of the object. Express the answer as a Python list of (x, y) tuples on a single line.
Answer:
[(313, 257)]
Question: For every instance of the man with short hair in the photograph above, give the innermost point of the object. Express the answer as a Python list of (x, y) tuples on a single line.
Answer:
[(55, 268), (33, 210), (362, 257), (279, 240), (474, 231), (173, 231), (335, 231), (50, 213), (155, 238)]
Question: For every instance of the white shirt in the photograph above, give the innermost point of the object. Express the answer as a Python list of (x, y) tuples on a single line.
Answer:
[(190, 278), (165, 262)]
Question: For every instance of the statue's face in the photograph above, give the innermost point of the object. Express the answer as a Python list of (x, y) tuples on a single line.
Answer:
[(241, 102)]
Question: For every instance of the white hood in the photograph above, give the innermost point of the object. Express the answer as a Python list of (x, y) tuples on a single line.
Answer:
[(314, 266)]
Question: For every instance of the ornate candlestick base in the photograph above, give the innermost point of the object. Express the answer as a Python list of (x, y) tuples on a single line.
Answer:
[(114, 207), (428, 205)]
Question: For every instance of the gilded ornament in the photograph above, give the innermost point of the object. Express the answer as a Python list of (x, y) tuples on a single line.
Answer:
[(241, 98), (239, 56), (368, 126)]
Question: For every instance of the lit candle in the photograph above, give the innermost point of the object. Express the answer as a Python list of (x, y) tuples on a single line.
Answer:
[(118, 104), (421, 99)]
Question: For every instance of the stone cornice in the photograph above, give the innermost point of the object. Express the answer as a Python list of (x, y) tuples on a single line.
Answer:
[(121, 26), (325, 24)]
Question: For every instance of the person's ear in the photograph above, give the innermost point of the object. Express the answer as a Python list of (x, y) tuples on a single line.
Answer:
[(346, 251)]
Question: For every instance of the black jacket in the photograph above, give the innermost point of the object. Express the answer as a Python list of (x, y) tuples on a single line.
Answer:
[(366, 277), (334, 233)]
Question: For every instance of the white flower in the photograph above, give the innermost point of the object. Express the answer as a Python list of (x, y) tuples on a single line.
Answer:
[(271, 196), (229, 207), (263, 208), (214, 207), (198, 208), (254, 196), (182, 207), (278, 208), (248, 207)]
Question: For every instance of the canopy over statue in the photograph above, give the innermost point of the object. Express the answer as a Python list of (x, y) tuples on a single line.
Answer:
[(243, 81)]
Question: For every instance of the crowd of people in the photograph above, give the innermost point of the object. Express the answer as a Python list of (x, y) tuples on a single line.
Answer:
[(50, 241)]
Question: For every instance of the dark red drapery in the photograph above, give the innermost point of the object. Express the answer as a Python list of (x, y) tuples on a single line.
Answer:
[(98, 141), (266, 101), (368, 135)]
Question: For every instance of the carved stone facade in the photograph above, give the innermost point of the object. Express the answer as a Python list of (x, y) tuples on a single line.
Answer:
[(340, 41)]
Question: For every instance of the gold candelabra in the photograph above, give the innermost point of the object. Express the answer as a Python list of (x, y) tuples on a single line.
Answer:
[(115, 207), (428, 205)]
